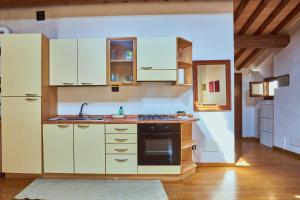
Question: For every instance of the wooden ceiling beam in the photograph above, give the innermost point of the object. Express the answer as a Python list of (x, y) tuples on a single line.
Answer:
[(261, 6), (261, 42), (240, 9)]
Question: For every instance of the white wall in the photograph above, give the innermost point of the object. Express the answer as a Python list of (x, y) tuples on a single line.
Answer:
[(212, 37), (251, 105), (286, 102)]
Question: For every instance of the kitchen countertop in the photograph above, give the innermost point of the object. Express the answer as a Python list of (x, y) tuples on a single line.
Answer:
[(129, 119)]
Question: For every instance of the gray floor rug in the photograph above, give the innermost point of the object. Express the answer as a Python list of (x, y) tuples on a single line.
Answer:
[(77, 189)]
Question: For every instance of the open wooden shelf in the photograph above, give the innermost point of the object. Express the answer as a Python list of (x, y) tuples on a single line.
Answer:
[(183, 64), (186, 85), (187, 144), (121, 61), (187, 166)]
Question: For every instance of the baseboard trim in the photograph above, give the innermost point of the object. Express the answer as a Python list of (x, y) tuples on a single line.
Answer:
[(286, 152), (251, 139), (21, 176), (216, 165)]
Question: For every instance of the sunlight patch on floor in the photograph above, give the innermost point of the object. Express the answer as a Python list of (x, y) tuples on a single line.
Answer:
[(242, 163), (297, 196)]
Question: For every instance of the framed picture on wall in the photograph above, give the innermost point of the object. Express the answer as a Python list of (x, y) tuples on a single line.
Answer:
[(211, 86), (217, 86)]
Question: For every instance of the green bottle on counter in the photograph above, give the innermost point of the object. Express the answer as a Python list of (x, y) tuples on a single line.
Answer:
[(121, 111)]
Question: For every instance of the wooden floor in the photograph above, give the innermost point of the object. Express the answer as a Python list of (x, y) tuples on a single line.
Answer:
[(269, 175)]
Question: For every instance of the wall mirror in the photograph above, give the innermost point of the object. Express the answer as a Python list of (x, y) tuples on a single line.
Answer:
[(212, 85)]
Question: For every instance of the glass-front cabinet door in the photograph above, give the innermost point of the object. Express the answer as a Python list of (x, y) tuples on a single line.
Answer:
[(122, 61)]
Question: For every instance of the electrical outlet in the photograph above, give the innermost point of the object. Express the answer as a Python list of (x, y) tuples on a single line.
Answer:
[(40, 15), (115, 88)]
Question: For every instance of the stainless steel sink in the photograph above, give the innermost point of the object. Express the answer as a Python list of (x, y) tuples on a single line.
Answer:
[(84, 118)]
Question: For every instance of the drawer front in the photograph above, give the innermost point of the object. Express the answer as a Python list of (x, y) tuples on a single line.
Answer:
[(266, 125), (121, 138), (121, 128), (121, 148), (156, 75), (121, 164), (266, 138)]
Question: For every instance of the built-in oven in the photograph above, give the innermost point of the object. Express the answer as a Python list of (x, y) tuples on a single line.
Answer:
[(159, 144)]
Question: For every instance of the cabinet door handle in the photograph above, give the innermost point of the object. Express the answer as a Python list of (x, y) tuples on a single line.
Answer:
[(83, 126), (120, 140), (121, 150), (31, 95), (68, 83), (86, 83), (121, 129), (62, 126), (146, 68), (121, 160), (31, 99)]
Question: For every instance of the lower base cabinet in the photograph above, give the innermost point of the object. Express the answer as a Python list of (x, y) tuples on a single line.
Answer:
[(78, 148), (121, 164), (58, 148), (89, 149)]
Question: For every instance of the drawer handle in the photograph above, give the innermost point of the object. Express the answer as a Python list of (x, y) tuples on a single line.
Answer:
[(146, 68), (120, 140), (83, 126), (31, 95), (121, 150), (86, 83), (31, 99), (121, 129), (68, 83), (121, 160), (62, 126)]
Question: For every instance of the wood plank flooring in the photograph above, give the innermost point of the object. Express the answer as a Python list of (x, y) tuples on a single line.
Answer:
[(270, 175)]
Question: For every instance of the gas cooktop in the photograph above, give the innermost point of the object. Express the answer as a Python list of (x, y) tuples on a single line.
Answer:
[(157, 117)]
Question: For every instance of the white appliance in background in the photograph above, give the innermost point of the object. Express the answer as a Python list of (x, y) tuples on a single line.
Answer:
[(266, 123)]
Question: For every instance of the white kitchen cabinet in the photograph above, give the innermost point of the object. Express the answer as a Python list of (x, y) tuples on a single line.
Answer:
[(63, 62), (92, 61), (21, 61), (156, 53), (21, 135), (157, 75), (89, 148), (121, 164), (58, 148), (157, 59), (266, 123)]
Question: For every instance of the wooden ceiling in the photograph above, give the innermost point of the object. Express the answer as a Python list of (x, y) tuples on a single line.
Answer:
[(31, 3), (260, 26)]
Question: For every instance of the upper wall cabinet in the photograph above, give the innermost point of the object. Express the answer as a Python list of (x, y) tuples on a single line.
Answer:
[(21, 62), (158, 59), (63, 62), (92, 61), (122, 61), (156, 53)]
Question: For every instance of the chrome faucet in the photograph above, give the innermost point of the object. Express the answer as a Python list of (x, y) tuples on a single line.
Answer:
[(81, 108)]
